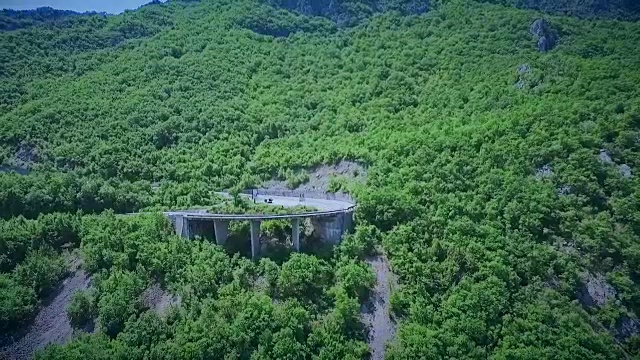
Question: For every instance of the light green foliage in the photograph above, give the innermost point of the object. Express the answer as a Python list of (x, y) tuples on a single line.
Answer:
[(338, 334), (304, 277), (356, 278), (361, 243), (337, 183), (41, 270), (488, 248), (31, 263), (119, 300), (82, 309)]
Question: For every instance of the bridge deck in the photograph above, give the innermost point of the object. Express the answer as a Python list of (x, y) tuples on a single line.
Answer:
[(239, 217)]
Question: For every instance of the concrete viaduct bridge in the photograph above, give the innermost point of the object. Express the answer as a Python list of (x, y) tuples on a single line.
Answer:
[(330, 221)]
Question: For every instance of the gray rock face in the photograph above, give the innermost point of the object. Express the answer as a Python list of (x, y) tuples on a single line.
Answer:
[(626, 328), (26, 154), (625, 171), (543, 33), (605, 157), (522, 72), (544, 172), (320, 177), (544, 44), (159, 300), (596, 291)]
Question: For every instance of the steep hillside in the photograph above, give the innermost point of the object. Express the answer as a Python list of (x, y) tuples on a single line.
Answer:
[(621, 9), (349, 12), (502, 181)]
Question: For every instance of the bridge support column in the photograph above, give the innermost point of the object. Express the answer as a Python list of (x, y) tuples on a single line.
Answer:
[(186, 228), (178, 224), (255, 239), (221, 230), (295, 233)]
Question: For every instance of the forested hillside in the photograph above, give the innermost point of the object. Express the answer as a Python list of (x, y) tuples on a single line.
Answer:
[(502, 180)]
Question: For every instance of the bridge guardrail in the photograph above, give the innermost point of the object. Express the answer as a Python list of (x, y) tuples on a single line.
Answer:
[(209, 216)]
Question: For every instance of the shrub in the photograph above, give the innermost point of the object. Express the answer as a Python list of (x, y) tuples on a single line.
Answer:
[(82, 309), (41, 270), (17, 302)]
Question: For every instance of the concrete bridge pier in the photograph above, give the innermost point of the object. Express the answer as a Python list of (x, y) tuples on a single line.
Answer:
[(255, 239), (179, 225), (221, 230), (331, 229), (183, 226), (295, 233)]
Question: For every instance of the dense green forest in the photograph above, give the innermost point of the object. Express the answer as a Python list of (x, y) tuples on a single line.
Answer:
[(502, 182)]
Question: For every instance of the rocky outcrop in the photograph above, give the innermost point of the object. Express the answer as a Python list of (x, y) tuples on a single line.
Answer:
[(596, 291), (625, 171), (545, 36), (159, 300), (626, 327), (605, 158), (26, 154), (522, 74), (346, 13), (544, 171)]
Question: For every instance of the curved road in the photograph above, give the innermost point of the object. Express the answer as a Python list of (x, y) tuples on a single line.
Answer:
[(325, 207)]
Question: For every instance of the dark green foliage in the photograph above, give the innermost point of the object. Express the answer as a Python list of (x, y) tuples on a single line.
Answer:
[(36, 194), (12, 19), (19, 236), (624, 9), (17, 302), (350, 12), (31, 264), (223, 312), (119, 300), (266, 20), (91, 347)]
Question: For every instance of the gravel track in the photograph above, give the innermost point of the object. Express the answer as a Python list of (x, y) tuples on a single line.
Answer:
[(376, 313)]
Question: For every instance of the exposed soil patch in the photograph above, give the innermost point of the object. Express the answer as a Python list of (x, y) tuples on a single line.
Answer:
[(158, 299), (376, 313), (51, 325), (320, 177)]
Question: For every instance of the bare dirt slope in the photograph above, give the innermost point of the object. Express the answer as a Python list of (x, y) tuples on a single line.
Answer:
[(320, 176), (51, 325), (376, 314), (159, 300)]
